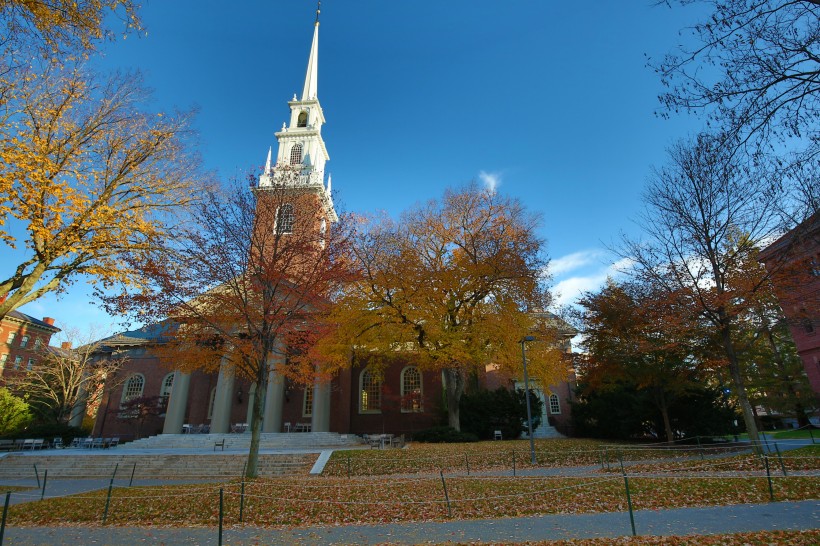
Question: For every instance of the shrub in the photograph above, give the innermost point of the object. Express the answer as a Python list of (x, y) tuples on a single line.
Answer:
[(443, 434), (15, 413), (483, 412)]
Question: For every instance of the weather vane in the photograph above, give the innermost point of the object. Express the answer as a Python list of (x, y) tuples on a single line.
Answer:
[(318, 11)]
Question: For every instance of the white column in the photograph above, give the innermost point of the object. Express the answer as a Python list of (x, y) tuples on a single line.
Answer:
[(221, 420), (273, 402), (251, 400), (177, 402), (320, 421)]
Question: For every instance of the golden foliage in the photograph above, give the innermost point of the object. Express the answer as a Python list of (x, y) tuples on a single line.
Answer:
[(85, 175), (56, 24)]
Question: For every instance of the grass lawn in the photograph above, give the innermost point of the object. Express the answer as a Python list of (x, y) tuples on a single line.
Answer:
[(804, 434)]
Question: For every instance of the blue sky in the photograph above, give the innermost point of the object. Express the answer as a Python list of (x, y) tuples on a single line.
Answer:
[(550, 101)]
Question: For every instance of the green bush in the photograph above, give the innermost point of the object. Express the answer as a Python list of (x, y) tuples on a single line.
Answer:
[(443, 435), (15, 413), (483, 412)]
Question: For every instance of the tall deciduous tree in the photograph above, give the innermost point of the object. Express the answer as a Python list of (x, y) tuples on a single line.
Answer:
[(240, 287), (697, 207), (450, 285), (754, 70), (637, 335), (63, 382), (86, 175)]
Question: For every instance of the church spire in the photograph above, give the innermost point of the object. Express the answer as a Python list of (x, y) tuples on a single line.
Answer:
[(312, 76)]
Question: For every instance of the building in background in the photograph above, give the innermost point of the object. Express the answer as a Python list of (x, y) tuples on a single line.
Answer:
[(793, 261), (22, 340)]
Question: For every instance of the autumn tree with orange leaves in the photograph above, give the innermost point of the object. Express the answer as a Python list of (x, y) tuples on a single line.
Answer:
[(637, 335), (451, 286), (239, 289), (86, 175), (704, 214)]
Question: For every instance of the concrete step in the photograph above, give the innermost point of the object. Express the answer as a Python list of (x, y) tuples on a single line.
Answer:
[(159, 466), (302, 440)]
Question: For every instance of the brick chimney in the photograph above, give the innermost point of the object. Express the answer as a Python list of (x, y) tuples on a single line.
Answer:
[(49, 321), (65, 345)]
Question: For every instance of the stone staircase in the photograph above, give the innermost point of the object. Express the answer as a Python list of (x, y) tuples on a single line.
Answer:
[(275, 440), (86, 464)]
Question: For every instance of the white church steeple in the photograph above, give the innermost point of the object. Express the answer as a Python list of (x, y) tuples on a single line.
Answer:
[(301, 154)]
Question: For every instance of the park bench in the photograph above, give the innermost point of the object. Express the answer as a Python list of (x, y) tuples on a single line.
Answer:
[(220, 443), (6, 445)]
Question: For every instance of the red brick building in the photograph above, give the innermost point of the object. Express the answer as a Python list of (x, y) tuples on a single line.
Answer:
[(22, 340), (794, 264)]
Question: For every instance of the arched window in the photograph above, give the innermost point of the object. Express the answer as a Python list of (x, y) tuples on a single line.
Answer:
[(296, 154), (555, 404), (307, 402), (411, 393), (284, 219), (370, 391), (165, 390), (302, 120), (133, 387)]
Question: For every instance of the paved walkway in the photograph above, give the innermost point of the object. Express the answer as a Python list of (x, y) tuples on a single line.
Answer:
[(685, 521)]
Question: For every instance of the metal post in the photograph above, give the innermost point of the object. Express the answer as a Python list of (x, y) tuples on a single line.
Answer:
[(242, 501), (467, 463), (700, 448), (513, 457), (116, 467), (527, 395), (769, 477), (131, 481), (45, 479), (811, 434), (5, 514), (37, 475), (108, 500), (446, 496), (629, 504), (221, 514)]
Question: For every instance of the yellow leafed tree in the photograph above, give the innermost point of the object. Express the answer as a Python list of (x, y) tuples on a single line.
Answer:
[(86, 175), (453, 285)]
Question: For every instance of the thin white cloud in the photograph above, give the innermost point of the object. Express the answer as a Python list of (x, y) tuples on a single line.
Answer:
[(491, 181), (567, 291), (574, 261)]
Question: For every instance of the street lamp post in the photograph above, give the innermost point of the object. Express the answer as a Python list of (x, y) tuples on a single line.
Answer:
[(527, 395)]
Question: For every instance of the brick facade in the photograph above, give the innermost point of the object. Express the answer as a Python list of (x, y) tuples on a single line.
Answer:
[(794, 264), (22, 340)]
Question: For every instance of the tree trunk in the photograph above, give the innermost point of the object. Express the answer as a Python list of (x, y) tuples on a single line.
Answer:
[(667, 425), (740, 388), (252, 468), (454, 387)]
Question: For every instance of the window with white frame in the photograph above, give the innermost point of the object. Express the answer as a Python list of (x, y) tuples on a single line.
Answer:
[(370, 391), (285, 219), (12, 335), (411, 390), (302, 120), (165, 390), (38, 344), (18, 360), (3, 359), (133, 387), (24, 342), (307, 402), (555, 404), (296, 154), (30, 364)]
